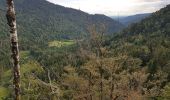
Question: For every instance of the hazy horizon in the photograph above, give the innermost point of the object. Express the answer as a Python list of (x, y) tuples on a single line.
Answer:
[(114, 7)]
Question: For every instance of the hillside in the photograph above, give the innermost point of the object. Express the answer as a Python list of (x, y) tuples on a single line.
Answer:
[(149, 42), (40, 22), (133, 63), (127, 20), (39, 19)]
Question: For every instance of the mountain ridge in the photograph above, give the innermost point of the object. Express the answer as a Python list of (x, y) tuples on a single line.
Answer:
[(127, 20), (136, 60), (59, 19)]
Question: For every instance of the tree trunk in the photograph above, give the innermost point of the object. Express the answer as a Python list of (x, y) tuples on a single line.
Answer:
[(101, 85), (90, 84), (49, 78), (11, 18), (111, 91)]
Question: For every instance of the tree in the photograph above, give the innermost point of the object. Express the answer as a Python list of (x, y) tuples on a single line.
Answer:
[(97, 41), (11, 18)]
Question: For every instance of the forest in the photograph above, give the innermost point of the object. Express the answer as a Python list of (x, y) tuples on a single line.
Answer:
[(87, 57)]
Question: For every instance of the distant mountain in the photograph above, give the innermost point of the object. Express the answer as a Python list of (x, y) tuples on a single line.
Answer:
[(127, 20), (136, 60), (39, 19)]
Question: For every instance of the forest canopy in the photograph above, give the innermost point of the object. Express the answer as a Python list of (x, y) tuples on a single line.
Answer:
[(72, 55)]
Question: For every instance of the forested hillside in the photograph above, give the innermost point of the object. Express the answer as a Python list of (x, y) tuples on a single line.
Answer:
[(127, 20), (133, 63), (39, 20), (148, 42)]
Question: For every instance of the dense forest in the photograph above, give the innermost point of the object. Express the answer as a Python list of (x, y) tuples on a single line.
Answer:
[(85, 57), (40, 20)]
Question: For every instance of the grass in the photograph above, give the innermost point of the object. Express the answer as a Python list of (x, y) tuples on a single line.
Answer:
[(59, 44), (24, 54), (3, 92)]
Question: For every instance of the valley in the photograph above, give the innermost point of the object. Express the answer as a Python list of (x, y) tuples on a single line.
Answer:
[(73, 55)]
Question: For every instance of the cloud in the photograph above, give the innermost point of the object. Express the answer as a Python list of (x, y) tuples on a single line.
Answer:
[(113, 7)]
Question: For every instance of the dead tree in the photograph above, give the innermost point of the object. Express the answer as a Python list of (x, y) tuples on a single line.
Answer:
[(11, 18)]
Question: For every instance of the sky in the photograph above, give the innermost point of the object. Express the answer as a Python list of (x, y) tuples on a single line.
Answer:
[(114, 7)]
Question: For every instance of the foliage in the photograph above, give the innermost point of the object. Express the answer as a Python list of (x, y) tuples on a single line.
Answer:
[(132, 64)]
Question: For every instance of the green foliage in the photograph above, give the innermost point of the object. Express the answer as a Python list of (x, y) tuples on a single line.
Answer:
[(36, 28), (167, 91), (132, 64), (3, 92), (149, 42)]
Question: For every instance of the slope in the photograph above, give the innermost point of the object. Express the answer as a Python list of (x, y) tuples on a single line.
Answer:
[(39, 19), (133, 19), (127, 20), (136, 60), (148, 41)]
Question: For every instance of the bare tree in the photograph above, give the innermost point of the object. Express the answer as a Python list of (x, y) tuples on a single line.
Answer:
[(97, 41), (11, 18)]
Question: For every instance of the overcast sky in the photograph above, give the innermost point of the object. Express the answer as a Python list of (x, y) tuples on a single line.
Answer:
[(114, 7)]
